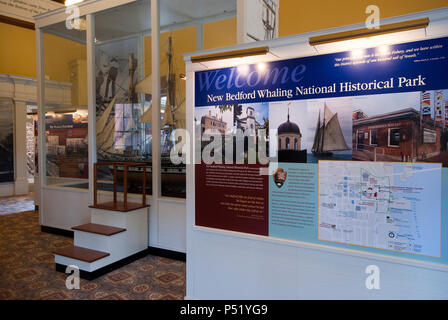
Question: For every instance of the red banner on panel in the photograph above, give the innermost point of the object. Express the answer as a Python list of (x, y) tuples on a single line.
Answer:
[(232, 197)]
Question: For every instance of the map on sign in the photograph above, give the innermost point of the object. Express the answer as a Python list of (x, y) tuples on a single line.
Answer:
[(385, 205)]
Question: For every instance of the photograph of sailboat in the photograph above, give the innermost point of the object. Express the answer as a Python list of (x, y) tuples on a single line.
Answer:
[(330, 136)]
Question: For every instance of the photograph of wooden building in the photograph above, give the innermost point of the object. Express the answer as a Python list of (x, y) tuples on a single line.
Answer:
[(401, 135)]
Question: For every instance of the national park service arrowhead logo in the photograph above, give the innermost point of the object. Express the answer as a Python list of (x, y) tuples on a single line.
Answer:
[(279, 176)]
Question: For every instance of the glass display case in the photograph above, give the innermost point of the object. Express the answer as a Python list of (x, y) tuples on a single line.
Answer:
[(122, 134), (66, 118), (107, 65)]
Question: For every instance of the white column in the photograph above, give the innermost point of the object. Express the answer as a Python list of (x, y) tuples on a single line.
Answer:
[(190, 203), (41, 175), (91, 99), (20, 168), (199, 36), (156, 163), (241, 21)]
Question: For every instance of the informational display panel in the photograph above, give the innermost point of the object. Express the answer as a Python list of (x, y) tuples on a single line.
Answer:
[(346, 149)]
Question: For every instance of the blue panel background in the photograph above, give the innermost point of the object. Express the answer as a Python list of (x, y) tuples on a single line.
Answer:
[(321, 71)]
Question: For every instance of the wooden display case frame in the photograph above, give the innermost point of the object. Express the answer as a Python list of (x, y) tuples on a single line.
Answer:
[(115, 205)]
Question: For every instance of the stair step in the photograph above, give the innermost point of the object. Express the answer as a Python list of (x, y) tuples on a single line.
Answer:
[(80, 253), (99, 229)]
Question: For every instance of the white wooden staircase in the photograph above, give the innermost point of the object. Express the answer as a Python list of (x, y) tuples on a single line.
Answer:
[(112, 239)]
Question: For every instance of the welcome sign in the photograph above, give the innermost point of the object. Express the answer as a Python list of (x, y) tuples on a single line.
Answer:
[(397, 68), (358, 155)]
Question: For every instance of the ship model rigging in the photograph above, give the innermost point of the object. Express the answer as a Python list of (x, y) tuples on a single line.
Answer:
[(134, 143), (172, 87)]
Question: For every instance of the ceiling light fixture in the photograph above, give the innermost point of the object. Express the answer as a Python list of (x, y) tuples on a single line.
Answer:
[(363, 33), (230, 54)]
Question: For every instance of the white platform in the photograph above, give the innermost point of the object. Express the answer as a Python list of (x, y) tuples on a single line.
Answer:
[(119, 246)]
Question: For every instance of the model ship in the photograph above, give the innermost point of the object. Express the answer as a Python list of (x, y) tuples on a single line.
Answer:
[(173, 118), (174, 112), (328, 136)]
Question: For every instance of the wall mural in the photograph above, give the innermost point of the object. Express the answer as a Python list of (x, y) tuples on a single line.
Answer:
[(6, 140)]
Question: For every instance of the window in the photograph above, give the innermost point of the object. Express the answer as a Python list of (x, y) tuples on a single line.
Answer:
[(394, 137), (373, 137), (287, 143), (279, 144)]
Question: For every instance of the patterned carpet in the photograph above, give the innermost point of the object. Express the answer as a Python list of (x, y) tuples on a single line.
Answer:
[(27, 269), (16, 204)]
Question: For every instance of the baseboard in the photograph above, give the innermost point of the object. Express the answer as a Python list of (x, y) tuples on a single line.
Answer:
[(6, 189), (59, 232), (167, 254), (118, 264), (104, 270)]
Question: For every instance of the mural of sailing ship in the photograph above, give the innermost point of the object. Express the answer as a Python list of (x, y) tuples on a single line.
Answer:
[(131, 140), (328, 137)]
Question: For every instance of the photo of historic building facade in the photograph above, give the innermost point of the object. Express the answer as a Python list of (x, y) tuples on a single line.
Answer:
[(400, 135), (213, 123), (290, 142)]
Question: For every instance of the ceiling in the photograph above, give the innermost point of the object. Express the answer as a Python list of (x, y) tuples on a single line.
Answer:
[(135, 17)]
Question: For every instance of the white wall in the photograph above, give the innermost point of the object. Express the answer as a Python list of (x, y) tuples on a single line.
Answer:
[(64, 208), (229, 265)]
